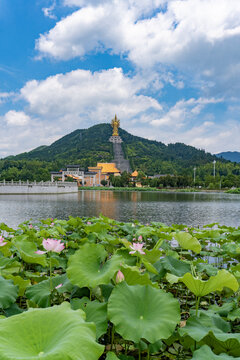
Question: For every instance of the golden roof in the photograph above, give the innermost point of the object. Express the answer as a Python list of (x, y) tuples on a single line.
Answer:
[(108, 167), (134, 174)]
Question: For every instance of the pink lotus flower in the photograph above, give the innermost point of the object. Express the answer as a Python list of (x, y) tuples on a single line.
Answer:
[(58, 286), (52, 224), (89, 223), (53, 245), (30, 226), (40, 252), (137, 247), (186, 229), (140, 238), (2, 242), (120, 277)]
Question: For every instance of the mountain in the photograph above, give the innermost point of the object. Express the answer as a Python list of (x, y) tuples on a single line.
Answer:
[(89, 146), (233, 156)]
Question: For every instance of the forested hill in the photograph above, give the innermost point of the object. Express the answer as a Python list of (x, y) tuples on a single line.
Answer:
[(233, 156), (89, 146)]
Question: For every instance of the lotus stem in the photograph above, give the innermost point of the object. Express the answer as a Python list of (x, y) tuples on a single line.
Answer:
[(112, 338), (139, 352), (148, 353), (50, 270), (197, 305)]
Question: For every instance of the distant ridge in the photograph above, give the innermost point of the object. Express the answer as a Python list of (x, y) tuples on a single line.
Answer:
[(233, 156), (86, 147)]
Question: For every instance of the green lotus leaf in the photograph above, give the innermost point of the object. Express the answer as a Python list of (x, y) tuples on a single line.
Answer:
[(20, 282), (40, 293), (89, 267), (133, 276), (153, 255), (198, 327), (111, 356), (175, 266), (95, 312), (221, 342), (143, 312), (56, 333), (214, 283), (187, 241), (27, 251), (214, 331), (149, 266), (205, 353), (8, 293)]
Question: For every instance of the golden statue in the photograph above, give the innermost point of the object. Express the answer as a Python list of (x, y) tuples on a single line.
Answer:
[(115, 124)]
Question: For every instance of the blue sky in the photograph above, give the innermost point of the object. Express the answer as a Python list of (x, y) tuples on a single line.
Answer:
[(168, 68)]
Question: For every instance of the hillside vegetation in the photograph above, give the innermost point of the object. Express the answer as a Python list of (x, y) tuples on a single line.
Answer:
[(89, 146)]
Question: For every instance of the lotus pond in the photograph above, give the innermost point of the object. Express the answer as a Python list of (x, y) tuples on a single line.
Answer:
[(96, 288)]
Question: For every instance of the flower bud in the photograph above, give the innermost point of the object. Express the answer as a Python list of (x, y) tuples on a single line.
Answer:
[(120, 277)]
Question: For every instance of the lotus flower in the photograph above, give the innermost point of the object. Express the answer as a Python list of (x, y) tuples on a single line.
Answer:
[(2, 242), (89, 223), (140, 238), (120, 277), (58, 286), (137, 247), (30, 226), (40, 252), (53, 245)]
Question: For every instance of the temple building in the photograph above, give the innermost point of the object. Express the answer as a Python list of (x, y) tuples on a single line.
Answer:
[(95, 174)]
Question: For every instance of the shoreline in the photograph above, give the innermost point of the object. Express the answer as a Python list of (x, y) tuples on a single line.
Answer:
[(173, 190)]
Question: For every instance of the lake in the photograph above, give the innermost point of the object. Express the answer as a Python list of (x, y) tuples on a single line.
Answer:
[(196, 209)]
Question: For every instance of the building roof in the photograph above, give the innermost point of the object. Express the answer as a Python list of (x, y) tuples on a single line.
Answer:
[(135, 173), (108, 167), (90, 173), (74, 166)]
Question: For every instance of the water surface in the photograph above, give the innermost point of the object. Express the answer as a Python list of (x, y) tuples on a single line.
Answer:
[(196, 209)]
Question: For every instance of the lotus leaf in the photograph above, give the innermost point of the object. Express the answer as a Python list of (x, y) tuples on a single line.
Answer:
[(56, 333), (8, 293), (147, 312), (175, 266), (133, 276), (40, 293), (111, 356), (22, 284), (198, 327), (89, 267), (205, 353), (95, 312), (214, 331), (187, 241), (214, 283), (27, 251)]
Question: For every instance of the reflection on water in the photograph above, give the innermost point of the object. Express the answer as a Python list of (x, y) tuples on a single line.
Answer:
[(188, 208)]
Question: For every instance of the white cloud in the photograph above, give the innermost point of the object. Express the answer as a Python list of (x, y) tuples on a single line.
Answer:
[(16, 118), (5, 95), (48, 12), (183, 112), (79, 99), (198, 38), (86, 95)]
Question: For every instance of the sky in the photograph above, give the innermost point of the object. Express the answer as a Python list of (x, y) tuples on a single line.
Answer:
[(169, 69)]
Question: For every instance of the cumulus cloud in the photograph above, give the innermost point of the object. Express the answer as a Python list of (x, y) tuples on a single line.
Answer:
[(199, 38), (89, 96), (79, 99), (16, 118), (183, 112)]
